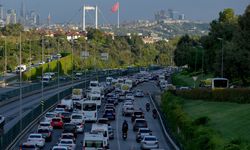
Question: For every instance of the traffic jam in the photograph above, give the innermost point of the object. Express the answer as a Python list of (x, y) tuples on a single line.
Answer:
[(87, 119)]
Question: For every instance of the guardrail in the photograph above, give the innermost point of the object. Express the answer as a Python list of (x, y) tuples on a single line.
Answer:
[(163, 124), (10, 139)]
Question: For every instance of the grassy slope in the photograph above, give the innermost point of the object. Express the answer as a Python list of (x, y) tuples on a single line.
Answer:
[(230, 119), (185, 79)]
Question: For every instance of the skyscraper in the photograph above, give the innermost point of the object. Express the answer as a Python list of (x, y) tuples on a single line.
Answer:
[(22, 10), (1, 12), (11, 16)]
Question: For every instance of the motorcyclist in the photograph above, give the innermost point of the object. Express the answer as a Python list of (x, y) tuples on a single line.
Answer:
[(124, 127), (154, 111), (147, 106)]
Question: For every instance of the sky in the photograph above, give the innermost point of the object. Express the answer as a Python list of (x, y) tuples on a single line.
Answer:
[(69, 10)]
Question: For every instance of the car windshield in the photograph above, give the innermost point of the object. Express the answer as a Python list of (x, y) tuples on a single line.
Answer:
[(145, 131), (28, 146), (35, 136), (45, 124), (56, 120), (67, 136), (89, 107), (59, 149), (43, 131), (50, 115), (69, 126), (66, 142), (76, 117), (137, 113), (150, 139), (96, 144)]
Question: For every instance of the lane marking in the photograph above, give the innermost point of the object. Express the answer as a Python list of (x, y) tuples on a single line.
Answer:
[(117, 132)]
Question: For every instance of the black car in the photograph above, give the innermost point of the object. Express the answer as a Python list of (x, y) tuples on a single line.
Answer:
[(66, 117), (70, 128), (109, 113), (137, 114), (46, 133)]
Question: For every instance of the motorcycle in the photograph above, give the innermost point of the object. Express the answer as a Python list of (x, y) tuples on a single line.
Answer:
[(147, 107), (154, 114), (124, 135)]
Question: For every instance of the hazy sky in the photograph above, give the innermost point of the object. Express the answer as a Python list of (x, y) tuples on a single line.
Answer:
[(69, 10)]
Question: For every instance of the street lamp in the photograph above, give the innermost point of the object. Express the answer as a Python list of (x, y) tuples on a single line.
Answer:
[(222, 56)]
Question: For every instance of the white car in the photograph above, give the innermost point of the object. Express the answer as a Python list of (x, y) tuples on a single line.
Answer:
[(127, 110), (141, 133), (59, 110), (37, 139), (149, 142), (67, 142), (45, 124), (130, 96), (60, 148), (49, 115), (77, 118), (79, 127)]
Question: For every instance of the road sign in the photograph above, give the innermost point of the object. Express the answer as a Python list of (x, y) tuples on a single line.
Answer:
[(42, 103), (84, 54), (104, 56), (195, 78)]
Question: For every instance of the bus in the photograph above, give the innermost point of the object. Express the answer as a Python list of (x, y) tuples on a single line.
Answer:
[(88, 109), (220, 83), (215, 83)]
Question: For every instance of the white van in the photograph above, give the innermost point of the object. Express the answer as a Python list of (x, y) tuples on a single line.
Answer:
[(21, 68), (46, 79), (68, 103), (94, 141), (101, 128)]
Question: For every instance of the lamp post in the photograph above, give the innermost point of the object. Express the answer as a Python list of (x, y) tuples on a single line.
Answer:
[(222, 56)]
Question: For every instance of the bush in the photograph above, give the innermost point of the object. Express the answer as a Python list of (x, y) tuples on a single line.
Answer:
[(225, 95), (201, 121)]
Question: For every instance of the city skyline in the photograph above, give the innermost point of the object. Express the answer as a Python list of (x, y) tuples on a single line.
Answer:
[(71, 11)]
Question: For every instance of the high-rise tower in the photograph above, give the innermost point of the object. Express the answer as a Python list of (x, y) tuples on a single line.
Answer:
[(22, 10)]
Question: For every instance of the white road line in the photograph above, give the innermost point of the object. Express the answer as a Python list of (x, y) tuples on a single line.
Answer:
[(117, 129)]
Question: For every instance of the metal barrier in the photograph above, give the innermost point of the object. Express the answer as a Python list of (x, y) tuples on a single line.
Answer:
[(162, 119)]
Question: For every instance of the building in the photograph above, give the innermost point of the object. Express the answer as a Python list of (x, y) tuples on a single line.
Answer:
[(161, 15), (1, 12), (11, 16), (181, 17)]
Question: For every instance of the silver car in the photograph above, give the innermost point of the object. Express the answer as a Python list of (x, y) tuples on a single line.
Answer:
[(149, 142)]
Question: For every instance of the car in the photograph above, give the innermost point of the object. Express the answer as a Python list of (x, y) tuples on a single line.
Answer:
[(46, 133), (149, 142), (79, 127), (103, 121), (68, 136), (70, 128), (45, 124), (28, 146), (137, 114), (109, 113), (58, 111), (37, 139), (130, 96), (60, 148), (141, 133), (111, 132), (49, 115), (77, 118), (2, 121), (67, 142), (113, 101), (139, 93), (66, 117), (127, 110), (109, 107), (57, 122), (139, 123)]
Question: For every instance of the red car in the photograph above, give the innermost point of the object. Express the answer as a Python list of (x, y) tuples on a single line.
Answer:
[(57, 122)]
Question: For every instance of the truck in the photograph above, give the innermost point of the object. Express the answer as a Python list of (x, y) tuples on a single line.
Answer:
[(77, 94), (68, 103), (94, 141)]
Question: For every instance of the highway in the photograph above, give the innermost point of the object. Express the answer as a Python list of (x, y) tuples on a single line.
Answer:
[(12, 110), (118, 143)]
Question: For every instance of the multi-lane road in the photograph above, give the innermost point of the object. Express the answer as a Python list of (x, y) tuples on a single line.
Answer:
[(118, 143)]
